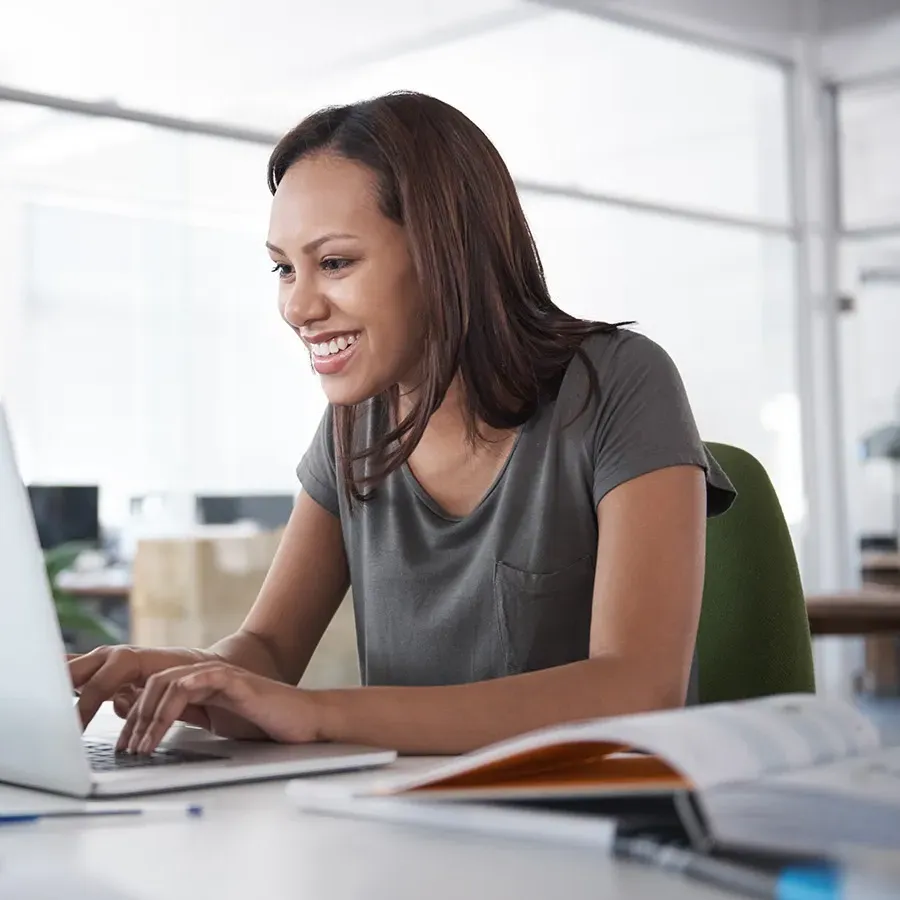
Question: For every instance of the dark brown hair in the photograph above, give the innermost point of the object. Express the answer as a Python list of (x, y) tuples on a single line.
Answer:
[(488, 313)]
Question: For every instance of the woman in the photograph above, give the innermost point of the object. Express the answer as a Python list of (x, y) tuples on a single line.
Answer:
[(518, 497)]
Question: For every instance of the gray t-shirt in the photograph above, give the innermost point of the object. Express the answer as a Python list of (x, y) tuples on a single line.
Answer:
[(441, 599)]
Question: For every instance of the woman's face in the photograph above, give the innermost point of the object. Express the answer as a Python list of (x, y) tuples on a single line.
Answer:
[(346, 280)]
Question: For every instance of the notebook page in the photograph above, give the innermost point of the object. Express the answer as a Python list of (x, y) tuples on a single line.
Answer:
[(710, 745), (874, 777), (731, 742), (842, 803)]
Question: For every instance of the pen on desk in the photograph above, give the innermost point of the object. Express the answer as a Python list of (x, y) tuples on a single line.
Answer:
[(719, 873), (800, 882), (191, 810), (834, 883)]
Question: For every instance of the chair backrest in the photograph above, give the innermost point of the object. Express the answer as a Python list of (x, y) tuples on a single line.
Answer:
[(754, 637)]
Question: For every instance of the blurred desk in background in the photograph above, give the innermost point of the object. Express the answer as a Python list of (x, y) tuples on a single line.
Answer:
[(870, 611), (873, 613), (880, 569), (113, 583)]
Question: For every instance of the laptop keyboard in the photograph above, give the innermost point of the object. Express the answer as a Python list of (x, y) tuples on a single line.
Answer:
[(102, 757)]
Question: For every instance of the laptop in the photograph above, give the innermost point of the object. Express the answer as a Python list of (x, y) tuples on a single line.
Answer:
[(42, 744)]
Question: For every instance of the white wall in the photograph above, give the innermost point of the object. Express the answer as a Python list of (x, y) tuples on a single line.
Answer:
[(11, 257), (151, 354), (870, 335), (870, 359)]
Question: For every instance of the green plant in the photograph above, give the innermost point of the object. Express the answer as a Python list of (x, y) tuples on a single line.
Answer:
[(73, 614)]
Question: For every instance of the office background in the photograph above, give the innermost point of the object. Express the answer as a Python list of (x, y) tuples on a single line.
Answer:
[(722, 173)]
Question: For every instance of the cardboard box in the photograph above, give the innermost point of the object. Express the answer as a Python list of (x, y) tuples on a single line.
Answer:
[(193, 591)]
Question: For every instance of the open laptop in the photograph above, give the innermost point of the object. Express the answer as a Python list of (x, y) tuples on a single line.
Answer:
[(42, 745)]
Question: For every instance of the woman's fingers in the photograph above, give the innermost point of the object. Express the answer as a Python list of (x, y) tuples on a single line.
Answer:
[(125, 699), (101, 678), (167, 697), (124, 739), (83, 665), (149, 697), (171, 705)]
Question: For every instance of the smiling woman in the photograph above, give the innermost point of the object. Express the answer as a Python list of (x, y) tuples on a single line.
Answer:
[(344, 271), (517, 496)]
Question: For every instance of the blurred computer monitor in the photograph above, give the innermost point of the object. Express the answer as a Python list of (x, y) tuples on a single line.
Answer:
[(269, 511), (65, 513)]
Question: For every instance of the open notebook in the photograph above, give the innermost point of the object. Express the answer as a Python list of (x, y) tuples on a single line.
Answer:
[(796, 773)]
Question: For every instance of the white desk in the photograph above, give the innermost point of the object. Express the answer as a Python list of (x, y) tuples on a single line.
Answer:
[(252, 843)]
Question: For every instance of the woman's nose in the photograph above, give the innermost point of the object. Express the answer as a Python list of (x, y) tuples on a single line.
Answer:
[(304, 304)]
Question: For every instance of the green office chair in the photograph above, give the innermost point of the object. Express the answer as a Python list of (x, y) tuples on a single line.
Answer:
[(754, 637)]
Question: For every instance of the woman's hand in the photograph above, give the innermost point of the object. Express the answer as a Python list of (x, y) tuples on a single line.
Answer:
[(116, 673), (281, 712), (216, 721)]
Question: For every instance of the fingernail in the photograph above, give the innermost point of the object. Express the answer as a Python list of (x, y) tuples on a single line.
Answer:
[(144, 747)]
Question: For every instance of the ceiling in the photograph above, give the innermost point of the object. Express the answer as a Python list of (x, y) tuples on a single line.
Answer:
[(752, 18), (209, 58), (858, 36), (842, 15)]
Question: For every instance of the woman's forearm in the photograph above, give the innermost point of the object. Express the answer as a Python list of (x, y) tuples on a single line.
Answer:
[(459, 718), (247, 651)]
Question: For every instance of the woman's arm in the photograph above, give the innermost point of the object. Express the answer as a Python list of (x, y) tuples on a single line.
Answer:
[(302, 590), (305, 584), (646, 606)]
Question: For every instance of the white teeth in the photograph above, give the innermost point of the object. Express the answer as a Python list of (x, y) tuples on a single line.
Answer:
[(333, 346)]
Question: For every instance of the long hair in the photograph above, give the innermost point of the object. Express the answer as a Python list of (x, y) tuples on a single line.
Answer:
[(488, 315)]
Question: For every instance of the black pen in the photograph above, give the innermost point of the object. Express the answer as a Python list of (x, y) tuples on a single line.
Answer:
[(716, 872)]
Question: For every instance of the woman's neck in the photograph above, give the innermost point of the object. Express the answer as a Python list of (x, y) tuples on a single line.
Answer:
[(449, 423)]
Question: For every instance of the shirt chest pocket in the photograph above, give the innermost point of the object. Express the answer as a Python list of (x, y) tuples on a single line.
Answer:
[(544, 618)]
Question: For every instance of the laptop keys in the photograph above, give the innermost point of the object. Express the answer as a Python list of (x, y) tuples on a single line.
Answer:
[(102, 757)]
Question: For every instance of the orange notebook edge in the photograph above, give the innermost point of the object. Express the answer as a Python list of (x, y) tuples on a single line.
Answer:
[(569, 768)]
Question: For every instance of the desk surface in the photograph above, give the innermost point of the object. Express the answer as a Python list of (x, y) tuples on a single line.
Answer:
[(252, 842)]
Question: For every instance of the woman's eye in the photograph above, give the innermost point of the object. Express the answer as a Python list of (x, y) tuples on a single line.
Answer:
[(335, 263), (283, 270)]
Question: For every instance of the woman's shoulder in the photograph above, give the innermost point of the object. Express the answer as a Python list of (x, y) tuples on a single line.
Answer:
[(613, 359), (634, 412), (624, 349)]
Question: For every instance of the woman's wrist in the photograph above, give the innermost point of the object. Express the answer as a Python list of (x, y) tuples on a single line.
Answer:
[(325, 709)]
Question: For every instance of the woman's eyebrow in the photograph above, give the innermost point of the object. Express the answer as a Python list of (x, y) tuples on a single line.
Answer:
[(314, 244)]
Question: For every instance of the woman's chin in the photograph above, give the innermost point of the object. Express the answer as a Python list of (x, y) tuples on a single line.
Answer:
[(345, 394), (356, 383)]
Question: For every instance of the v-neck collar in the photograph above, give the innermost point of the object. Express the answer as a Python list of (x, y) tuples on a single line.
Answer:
[(439, 510)]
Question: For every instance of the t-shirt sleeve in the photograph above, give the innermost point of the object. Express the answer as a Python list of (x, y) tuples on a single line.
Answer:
[(643, 421), (317, 470)]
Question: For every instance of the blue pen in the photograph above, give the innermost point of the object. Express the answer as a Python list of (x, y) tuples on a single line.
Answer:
[(801, 882), (833, 883), (190, 810)]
